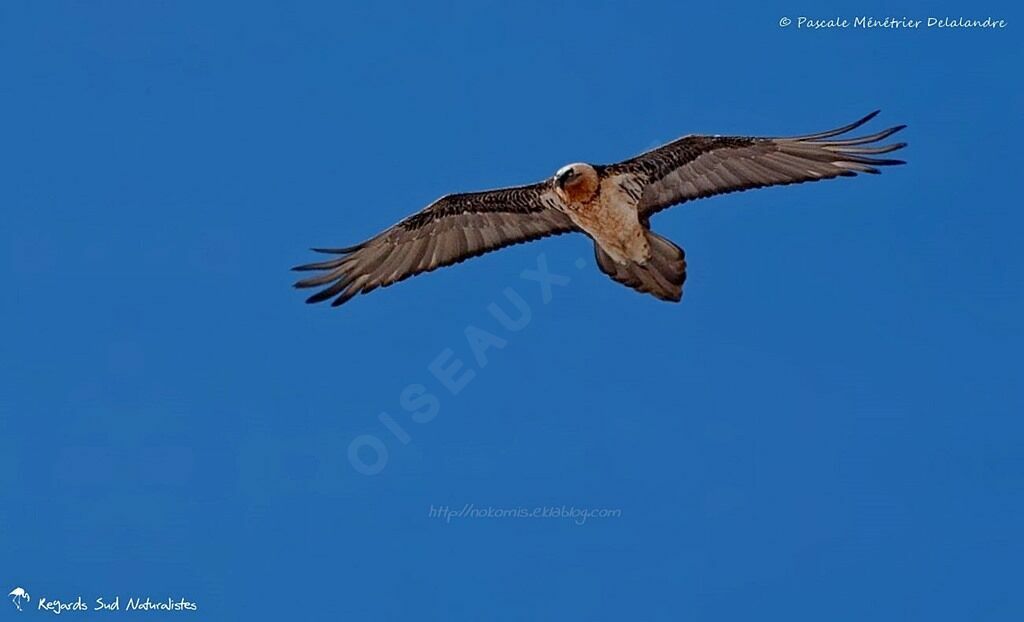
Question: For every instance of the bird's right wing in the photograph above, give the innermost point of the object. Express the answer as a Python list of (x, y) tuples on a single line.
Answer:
[(450, 230), (694, 167)]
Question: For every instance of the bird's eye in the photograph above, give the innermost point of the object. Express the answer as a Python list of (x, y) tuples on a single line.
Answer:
[(564, 176)]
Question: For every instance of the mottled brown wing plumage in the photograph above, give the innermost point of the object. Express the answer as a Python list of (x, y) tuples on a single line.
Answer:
[(695, 167), (451, 229)]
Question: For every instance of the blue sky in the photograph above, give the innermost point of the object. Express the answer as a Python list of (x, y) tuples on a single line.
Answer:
[(827, 427)]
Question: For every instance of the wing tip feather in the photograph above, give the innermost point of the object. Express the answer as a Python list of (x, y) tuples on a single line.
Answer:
[(343, 250)]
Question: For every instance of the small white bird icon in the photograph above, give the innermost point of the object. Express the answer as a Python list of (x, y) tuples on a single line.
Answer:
[(17, 595)]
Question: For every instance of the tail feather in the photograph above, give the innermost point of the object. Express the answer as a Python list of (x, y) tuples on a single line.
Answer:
[(662, 276)]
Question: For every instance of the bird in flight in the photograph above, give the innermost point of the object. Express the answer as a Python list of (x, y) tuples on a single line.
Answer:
[(610, 203)]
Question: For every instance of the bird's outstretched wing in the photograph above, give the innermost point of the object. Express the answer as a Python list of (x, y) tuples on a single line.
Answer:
[(694, 167), (451, 229)]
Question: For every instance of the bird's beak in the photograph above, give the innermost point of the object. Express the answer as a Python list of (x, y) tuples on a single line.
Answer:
[(561, 179)]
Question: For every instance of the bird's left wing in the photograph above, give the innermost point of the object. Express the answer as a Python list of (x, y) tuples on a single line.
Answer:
[(448, 231), (694, 167)]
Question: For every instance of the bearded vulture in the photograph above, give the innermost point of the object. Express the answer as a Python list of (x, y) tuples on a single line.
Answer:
[(610, 203)]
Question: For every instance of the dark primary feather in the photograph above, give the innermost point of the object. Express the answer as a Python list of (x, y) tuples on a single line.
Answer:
[(450, 230), (695, 167)]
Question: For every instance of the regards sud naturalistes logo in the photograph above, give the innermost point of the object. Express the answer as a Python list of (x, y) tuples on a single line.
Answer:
[(20, 597)]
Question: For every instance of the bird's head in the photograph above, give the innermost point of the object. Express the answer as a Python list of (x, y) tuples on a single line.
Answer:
[(576, 182)]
